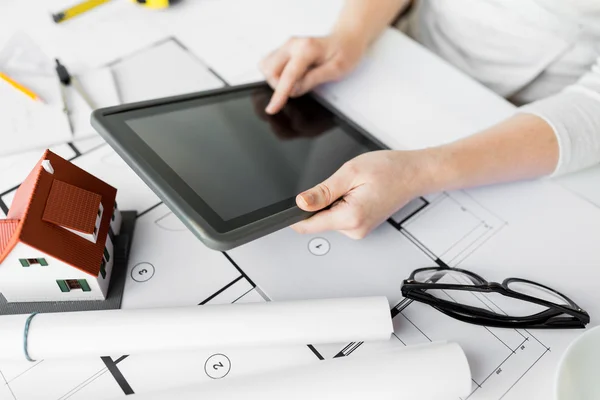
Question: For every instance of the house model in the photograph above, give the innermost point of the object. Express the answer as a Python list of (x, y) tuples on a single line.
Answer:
[(57, 242)]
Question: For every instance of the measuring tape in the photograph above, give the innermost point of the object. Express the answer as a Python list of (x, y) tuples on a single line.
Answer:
[(88, 5), (156, 4)]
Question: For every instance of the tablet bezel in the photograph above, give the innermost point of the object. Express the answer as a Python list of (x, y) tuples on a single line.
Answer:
[(196, 214)]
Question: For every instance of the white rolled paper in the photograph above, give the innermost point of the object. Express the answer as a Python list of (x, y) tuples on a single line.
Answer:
[(438, 371), (108, 332)]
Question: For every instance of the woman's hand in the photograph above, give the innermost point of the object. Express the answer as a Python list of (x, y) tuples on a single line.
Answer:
[(370, 188), (364, 192), (303, 63)]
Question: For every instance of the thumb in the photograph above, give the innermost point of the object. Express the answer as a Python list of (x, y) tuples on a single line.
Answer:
[(326, 192)]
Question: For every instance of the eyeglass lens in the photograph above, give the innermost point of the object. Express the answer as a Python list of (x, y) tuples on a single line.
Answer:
[(491, 302), (445, 276), (537, 291)]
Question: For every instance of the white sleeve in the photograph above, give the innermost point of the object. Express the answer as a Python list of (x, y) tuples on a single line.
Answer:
[(574, 114)]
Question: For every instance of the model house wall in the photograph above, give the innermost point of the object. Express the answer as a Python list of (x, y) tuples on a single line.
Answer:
[(106, 272), (115, 221), (39, 282)]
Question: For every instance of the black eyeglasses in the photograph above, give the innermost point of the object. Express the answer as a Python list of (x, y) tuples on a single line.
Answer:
[(446, 290)]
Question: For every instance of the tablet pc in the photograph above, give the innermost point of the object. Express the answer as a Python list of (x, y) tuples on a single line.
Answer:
[(228, 170)]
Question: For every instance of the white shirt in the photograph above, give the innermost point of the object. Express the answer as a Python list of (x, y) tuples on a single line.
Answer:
[(543, 54)]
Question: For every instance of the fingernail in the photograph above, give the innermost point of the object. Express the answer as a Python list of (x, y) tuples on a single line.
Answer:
[(307, 198), (270, 108)]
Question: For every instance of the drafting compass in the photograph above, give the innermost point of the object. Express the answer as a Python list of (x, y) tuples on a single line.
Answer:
[(67, 80)]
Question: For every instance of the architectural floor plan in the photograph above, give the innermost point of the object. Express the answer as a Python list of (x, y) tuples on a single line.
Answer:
[(170, 267)]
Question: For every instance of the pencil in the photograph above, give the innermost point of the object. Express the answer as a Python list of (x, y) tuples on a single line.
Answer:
[(77, 9), (27, 92)]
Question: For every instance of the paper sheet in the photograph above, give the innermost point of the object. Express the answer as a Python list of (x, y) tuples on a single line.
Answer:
[(579, 183), (165, 69), (99, 333), (31, 125), (22, 59), (100, 36), (26, 124), (395, 375), (15, 168), (233, 44), (21, 55), (393, 79)]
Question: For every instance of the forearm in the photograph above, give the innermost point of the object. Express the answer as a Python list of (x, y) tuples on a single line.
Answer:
[(366, 19), (522, 147)]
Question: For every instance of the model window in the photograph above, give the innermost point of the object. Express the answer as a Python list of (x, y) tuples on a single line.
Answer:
[(70, 284), (63, 286), (73, 284), (103, 269), (106, 255), (26, 262), (84, 285)]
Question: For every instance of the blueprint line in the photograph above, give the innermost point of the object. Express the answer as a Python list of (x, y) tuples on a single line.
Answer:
[(537, 340), (7, 385), (400, 306), (116, 373), (467, 194), (212, 71), (496, 369), (243, 295), (75, 149), (507, 346), (113, 63), (419, 329), (120, 359), (218, 292), (316, 353), (524, 373), (24, 372), (77, 388), (464, 237), (239, 269), (401, 341), (9, 191), (148, 210), (476, 247)]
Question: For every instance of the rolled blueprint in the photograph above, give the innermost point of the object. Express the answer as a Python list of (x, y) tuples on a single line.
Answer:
[(108, 332), (438, 371)]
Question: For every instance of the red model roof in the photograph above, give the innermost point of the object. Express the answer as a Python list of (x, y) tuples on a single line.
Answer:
[(72, 207), (7, 228), (39, 200)]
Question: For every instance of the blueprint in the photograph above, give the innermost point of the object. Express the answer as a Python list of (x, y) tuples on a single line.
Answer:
[(533, 230), (170, 267)]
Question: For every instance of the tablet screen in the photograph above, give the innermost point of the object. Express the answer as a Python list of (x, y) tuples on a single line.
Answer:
[(239, 159)]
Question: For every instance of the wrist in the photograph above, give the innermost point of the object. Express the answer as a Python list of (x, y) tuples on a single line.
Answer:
[(433, 170), (350, 35)]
